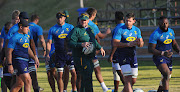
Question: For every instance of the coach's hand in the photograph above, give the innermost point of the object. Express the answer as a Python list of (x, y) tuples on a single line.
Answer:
[(102, 52), (85, 44), (10, 69)]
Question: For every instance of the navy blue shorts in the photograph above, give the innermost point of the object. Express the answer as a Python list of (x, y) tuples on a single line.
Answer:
[(158, 60), (21, 66), (95, 57), (131, 60), (63, 59)]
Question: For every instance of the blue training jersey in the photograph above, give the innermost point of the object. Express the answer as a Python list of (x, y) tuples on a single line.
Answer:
[(58, 34), (126, 35), (163, 40), (94, 27), (20, 43), (14, 29), (36, 31)]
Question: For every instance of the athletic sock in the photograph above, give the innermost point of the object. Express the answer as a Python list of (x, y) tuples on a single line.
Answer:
[(64, 90), (165, 91), (104, 86)]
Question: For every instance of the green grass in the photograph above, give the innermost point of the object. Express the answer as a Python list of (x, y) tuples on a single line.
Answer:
[(148, 78)]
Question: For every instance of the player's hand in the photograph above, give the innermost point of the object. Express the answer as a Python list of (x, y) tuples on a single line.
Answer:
[(85, 44), (110, 59), (108, 31), (69, 53), (102, 52), (168, 53), (132, 43), (10, 69), (47, 59), (36, 61)]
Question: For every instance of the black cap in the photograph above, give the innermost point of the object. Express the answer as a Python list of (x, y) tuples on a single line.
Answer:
[(23, 15), (23, 23), (60, 14)]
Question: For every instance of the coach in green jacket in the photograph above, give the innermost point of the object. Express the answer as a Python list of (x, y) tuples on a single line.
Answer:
[(81, 36)]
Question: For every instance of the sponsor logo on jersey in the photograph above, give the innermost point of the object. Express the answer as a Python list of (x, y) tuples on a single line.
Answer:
[(167, 41), (130, 39), (161, 60), (21, 40), (28, 36), (26, 45), (25, 69), (161, 37), (62, 36), (67, 29), (85, 33), (170, 34), (125, 33), (135, 32), (124, 60)]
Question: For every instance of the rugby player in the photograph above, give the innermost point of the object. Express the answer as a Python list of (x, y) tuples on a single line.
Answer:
[(126, 39)]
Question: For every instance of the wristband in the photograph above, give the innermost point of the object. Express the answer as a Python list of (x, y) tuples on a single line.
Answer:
[(9, 64), (162, 53)]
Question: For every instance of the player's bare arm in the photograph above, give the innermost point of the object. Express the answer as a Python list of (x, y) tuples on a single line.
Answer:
[(48, 48), (152, 49), (113, 50), (175, 46), (1, 43), (9, 60), (32, 46), (101, 35), (43, 43), (140, 42)]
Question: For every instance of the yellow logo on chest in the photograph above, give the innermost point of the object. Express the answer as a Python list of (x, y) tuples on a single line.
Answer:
[(167, 41), (130, 39), (62, 36), (26, 45)]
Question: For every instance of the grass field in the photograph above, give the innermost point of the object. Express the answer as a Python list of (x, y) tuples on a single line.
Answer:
[(148, 78)]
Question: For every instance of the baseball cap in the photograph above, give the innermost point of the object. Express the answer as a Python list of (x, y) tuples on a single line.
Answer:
[(60, 14), (84, 16), (23, 15), (23, 23)]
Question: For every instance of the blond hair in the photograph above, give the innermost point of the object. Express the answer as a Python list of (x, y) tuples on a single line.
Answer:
[(15, 14)]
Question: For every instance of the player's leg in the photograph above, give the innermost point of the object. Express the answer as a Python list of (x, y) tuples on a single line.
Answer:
[(32, 72), (73, 77), (127, 72), (116, 67), (163, 68), (59, 79), (18, 85), (50, 77), (99, 77), (66, 77)]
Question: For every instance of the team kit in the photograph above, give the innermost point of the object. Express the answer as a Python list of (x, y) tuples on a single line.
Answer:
[(74, 49)]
